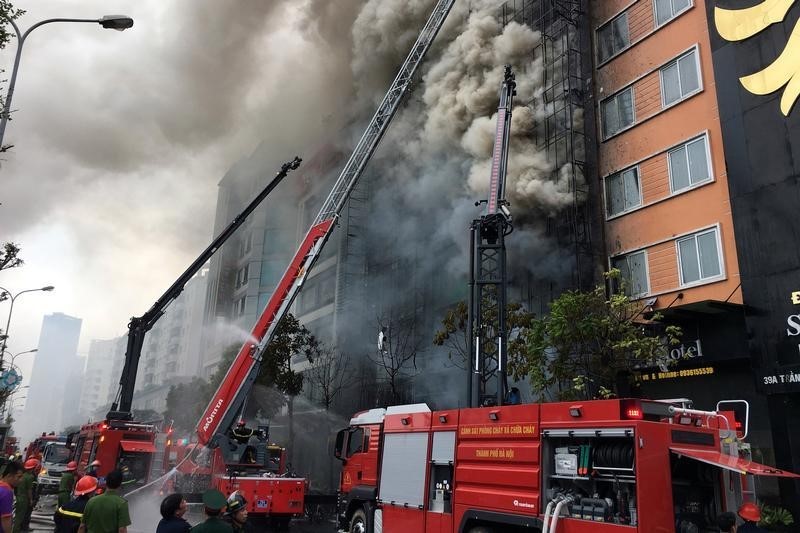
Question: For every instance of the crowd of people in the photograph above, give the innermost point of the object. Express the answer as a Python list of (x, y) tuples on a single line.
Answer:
[(90, 504)]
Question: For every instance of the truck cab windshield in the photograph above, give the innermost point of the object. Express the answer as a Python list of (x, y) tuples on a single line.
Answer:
[(56, 454)]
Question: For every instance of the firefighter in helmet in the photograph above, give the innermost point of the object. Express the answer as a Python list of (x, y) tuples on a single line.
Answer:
[(236, 514), (67, 483), (68, 516), (93, 468), (242, 433), (751, 514)]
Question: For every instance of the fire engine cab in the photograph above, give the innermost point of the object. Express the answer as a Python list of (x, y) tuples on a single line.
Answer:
[(116, 444), (593, 466)]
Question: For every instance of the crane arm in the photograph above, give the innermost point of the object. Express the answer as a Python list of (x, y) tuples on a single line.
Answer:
[(139, 326), (238, 381), (497, 179)]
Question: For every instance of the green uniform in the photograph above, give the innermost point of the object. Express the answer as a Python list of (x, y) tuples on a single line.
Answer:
[(23, 501), (213, 524), (65, 487), (106, 513)]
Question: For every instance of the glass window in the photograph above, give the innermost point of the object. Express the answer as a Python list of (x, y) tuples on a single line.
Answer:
[(633, 268), (613, 37), (667, 9), (699, 257), (688, 164), (355, 444), (617, 112), (680, 78), (271, 271), (622, 191)]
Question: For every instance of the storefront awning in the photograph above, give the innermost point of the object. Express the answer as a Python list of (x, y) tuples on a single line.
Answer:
[(730, 462), (137, 446)]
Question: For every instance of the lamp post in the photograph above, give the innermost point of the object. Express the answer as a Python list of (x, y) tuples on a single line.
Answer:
[(112, 22), (6, 294)]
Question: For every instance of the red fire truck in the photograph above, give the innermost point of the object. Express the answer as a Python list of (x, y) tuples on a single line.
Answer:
[(594, 466), (116, 443)]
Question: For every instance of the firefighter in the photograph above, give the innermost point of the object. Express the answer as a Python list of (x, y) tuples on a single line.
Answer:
[(214, 503), (24, 493), (93, 468), (67, 483), (128, 479), (242, 433), (108, 512), (751, 514), (236, 515), (67, 517)]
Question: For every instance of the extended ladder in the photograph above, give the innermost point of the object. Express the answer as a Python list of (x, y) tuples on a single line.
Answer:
[(229, 397)]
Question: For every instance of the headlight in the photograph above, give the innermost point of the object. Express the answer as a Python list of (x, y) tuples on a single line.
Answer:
[(43, 472)]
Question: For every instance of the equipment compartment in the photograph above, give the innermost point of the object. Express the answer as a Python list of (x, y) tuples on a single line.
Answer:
[(594, 470)]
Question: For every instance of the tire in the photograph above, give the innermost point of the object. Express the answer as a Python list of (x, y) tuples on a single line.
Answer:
[(358, 522)]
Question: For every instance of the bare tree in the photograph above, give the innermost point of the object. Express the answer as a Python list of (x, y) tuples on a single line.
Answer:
[(329, 373), (397, 349)]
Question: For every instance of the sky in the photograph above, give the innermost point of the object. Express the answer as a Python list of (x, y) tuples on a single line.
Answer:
[(120, 139)]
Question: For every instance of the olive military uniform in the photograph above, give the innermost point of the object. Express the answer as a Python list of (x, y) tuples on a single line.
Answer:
[(106, 513), (65, 487), (24, 501)]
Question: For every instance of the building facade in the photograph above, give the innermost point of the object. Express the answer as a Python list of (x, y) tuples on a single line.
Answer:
[(98, 381), (685, 193)]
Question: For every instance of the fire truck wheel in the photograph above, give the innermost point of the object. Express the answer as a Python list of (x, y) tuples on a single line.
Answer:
[(358, 524)]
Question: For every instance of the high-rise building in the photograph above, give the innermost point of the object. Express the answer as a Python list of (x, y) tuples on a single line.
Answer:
[(97, 379), (55, 363)]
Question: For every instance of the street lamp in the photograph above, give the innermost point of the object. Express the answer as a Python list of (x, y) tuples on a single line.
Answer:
[(111, 22), (4, 295)]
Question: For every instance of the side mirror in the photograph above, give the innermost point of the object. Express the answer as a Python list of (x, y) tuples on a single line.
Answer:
[(339, 446), (741, 415)]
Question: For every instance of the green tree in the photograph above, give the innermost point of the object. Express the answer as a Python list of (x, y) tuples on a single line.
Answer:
[(579, 349), (453, 332), (186, 403), (9, 255), (7, 11)]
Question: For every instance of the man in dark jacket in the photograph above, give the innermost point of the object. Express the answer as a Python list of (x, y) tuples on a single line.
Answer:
[(173, 507), (67, 517)]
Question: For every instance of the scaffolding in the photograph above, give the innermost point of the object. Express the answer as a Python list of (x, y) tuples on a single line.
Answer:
[(565, 51)]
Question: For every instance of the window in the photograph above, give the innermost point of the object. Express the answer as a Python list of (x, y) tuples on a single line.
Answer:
[(617, 112), (688, 164), (242, 276), (623, 191), (613, 37), (633, 268), (355, 444), (271, 271), (668, 9), (246, 245), (680, 79), (698, 257), (238, 307)]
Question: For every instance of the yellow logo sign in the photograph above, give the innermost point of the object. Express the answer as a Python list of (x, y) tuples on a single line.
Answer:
[(347, 479), (796, 298), (741, 24)]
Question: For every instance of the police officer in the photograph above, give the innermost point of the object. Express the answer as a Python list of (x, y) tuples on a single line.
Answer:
[(108, 512), (214, 504), (24, 494), (236, 514), (67, 483), (67, 517)]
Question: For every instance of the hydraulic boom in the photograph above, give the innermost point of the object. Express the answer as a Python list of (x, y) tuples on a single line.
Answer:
[(486, 308), (140, 325)]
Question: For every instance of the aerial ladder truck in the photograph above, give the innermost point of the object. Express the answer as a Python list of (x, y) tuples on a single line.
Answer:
[(598, 466), (280, 499), (118, 439)]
